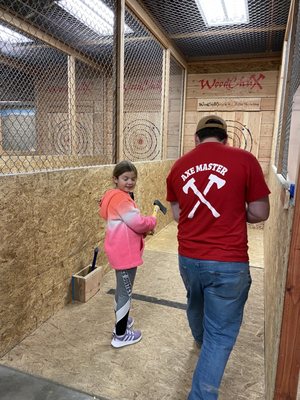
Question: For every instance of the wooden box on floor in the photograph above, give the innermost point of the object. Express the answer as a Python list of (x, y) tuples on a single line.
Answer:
[(86, 283)]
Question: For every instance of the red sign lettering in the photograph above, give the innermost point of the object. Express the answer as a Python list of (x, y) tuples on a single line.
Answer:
[(253, 81)]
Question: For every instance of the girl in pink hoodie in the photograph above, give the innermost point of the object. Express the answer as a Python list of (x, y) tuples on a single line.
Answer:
[(124, 245)]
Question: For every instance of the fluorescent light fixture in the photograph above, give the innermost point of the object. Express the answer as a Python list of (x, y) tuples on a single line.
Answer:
[(94, 14), (223, 12), (9, 36)]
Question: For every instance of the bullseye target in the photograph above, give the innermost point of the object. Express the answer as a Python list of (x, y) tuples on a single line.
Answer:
[(239, 135), (141, 140), (63, 142)]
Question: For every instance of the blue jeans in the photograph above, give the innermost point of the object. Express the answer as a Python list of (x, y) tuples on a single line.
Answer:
[(216, 296)]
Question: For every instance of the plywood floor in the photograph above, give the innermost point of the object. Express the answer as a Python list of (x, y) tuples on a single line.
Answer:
[(73, 347)]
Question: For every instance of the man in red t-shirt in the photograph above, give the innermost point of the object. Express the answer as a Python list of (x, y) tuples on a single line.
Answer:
[(214, 190)]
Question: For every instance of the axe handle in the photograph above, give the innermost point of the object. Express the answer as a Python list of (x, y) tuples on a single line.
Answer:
[(154, 214), (93, 266), (155, 211)]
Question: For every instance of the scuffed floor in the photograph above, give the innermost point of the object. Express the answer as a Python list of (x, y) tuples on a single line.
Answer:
[(73, 347)]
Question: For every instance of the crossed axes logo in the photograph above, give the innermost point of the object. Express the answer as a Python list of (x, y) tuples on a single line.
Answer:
[(213, 179)]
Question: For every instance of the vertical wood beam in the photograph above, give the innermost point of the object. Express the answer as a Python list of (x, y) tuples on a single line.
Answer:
[(72, 106), (279, 97), (287, 373), (184, 90), (118, 150), (165, 103), (1, 148)]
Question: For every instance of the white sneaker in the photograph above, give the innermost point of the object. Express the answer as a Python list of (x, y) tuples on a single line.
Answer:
[(130, 337)]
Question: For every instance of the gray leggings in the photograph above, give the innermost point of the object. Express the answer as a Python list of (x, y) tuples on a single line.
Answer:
[(123, 296)]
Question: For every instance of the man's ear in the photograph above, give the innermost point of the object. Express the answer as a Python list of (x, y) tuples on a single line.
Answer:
[(197, 140)]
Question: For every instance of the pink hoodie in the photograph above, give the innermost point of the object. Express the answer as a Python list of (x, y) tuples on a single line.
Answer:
[(124, 241)]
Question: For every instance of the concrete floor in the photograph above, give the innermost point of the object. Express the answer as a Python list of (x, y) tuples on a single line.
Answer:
[(72, 350)]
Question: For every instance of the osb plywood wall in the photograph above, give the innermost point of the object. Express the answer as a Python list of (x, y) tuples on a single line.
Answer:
[(246, 100), (49, 228), (277, 237)]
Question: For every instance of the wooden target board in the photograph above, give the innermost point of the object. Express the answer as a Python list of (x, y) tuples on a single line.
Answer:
[(239, 135), (142, 140)]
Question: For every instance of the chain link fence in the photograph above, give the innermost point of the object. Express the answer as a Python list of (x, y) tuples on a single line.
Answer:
[(176, 88), (143, 98), (58, 79), (57, 96), (143, 59), (291, 84), (192, 36)]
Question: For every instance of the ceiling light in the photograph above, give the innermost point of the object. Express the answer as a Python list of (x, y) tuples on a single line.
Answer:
[(96, 15), (223, 12)]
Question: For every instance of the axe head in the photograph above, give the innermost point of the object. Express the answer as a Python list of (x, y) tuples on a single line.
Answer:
[(162, 208)]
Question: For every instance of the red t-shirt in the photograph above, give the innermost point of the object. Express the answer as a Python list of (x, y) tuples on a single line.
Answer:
[(212, 184)]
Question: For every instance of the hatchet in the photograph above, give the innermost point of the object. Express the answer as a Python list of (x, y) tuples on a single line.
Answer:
[(158, 206)]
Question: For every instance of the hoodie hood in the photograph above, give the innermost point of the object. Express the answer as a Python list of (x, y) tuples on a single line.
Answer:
[(106, 199)]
